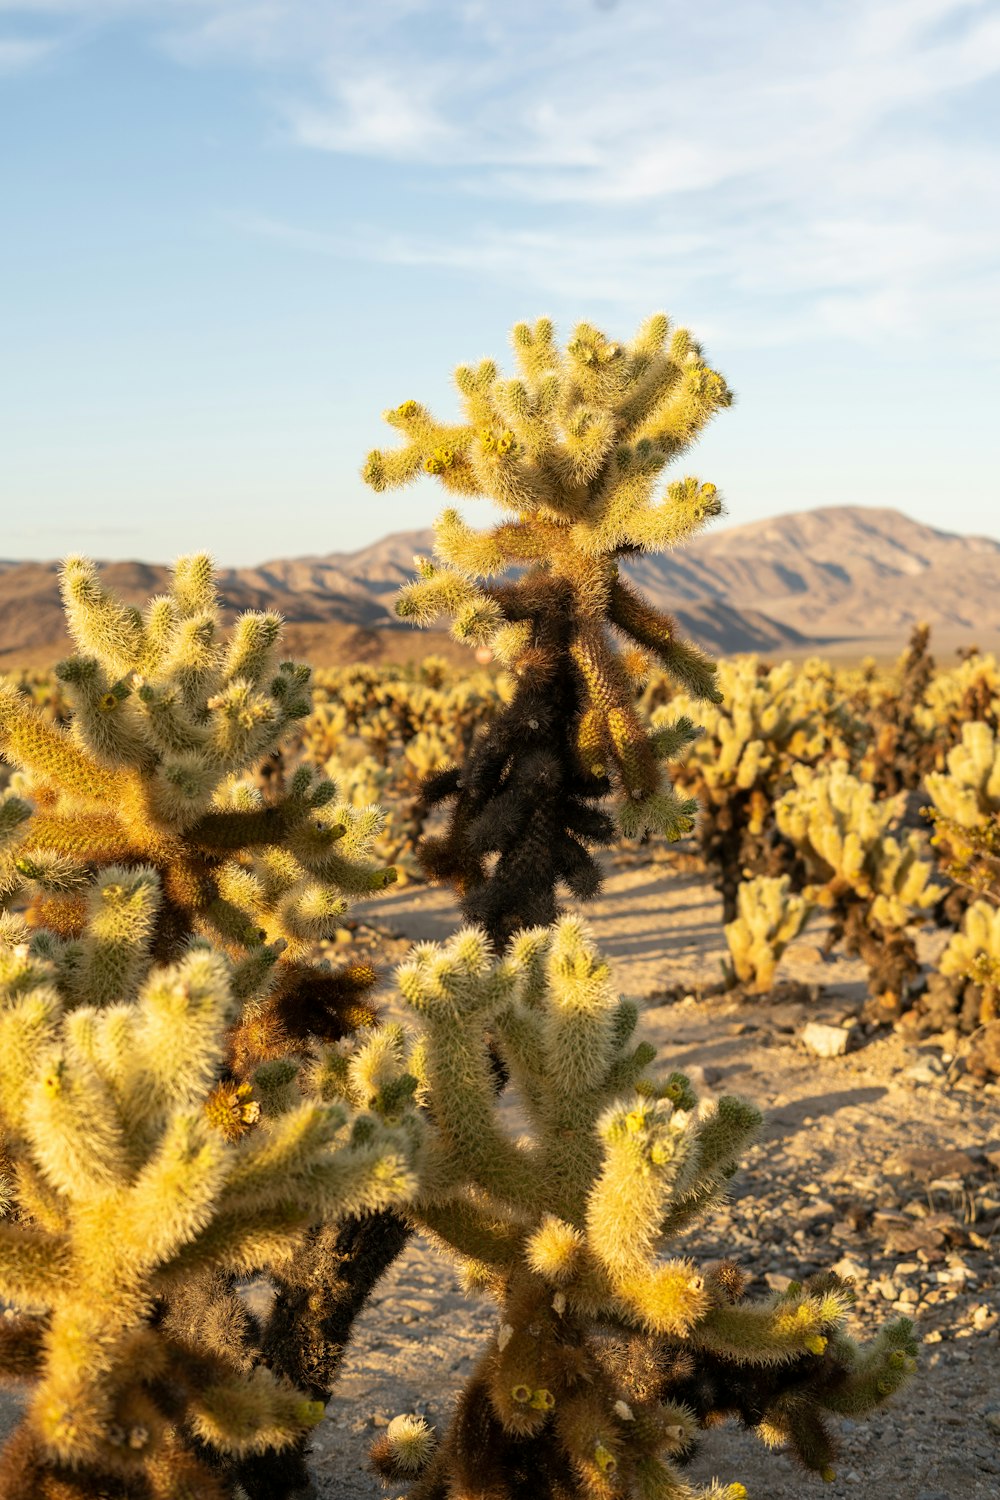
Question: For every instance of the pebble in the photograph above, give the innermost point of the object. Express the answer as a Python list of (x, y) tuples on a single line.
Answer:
[(850, 1268), (920, 1073), (826, 1041), (927, 1163)]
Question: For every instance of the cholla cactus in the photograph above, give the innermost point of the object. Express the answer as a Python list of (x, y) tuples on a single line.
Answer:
[(974, 954), (966, 813), (566, 1229), (404, 1450), (899, 750), (170, 719), (874, 883), (969, 791), (770, 917), (958, 696), (379, 734), (138, 1169), (960, 1000), (769, 719), (168, 722), (572, 449)]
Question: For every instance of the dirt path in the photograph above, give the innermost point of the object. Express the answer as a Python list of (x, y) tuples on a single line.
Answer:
[(871, 1162)]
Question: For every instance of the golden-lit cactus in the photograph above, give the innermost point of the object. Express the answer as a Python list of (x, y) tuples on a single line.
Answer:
[(770, 917), (134, 1175), (960, 1002), (874, 883), (966, 812), (953, 698), (569, 1225), (380, 732), (169, 718), (969, 790), (973, 953), (572, 449), (899, 749), (769, 720), (404, 1449)]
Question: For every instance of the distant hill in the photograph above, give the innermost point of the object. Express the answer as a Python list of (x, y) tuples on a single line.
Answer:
[(843, 573), (846, 577)]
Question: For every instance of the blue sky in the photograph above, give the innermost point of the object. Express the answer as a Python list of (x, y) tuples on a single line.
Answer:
[(235, 231)]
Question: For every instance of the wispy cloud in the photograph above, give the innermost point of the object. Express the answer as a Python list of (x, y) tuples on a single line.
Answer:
[(821, 168), (827, 167), (19, 54)]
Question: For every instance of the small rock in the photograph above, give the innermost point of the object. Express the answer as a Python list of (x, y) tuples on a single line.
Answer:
[(927, 1163), (907, 1241), (992, 1420), (922, 1073), (826, 1041), (849, 1268), (777, 1282)]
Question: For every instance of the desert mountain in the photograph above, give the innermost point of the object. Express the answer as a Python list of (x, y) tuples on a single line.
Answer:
[(848, 576), (839, 574)]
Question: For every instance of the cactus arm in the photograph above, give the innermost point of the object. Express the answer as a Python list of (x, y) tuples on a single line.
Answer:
[(33, 1264), (49, 753)]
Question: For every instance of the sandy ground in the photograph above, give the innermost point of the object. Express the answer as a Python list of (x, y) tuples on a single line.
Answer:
[(877, 1162)]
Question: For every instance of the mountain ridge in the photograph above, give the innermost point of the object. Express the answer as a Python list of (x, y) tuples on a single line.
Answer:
[(847, 576)]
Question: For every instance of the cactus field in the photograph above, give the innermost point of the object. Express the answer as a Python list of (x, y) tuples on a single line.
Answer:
[(573, 1078)]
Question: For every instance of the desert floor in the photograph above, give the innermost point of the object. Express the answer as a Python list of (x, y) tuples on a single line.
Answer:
[(879, 1163), (873, 1162)]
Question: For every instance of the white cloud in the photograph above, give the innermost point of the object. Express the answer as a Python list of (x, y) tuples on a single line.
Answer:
[(381, 117), (19, 53), (810, 167)]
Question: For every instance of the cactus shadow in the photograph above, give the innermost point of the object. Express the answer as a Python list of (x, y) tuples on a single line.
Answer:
[(786, 1120), (665, 941), (660, 880)]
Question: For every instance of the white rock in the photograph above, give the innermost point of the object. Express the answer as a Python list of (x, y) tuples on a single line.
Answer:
[(826, 1041), (848, 1267)]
